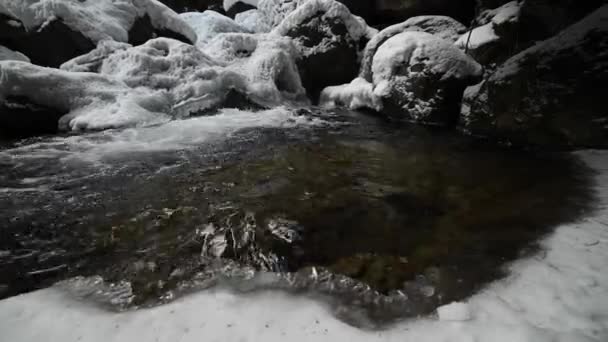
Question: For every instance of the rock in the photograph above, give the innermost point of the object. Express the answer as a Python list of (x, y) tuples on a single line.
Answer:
[(541, 19), (19, 118), (233, 8), (443, 27), (395, 11), (48, 45), (550, 95), (421, 78), (329, 39), (181, 6), (51, 33), (497, 37), (209, 24)]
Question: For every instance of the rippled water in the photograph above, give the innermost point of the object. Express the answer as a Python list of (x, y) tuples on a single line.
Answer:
[(385, 221)]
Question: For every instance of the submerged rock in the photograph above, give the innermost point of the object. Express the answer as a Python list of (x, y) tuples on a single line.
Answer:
[(551, 94), (50, 33)]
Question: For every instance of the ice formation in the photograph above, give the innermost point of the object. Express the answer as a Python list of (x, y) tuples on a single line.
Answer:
[(7, 54), (97, 19), (209, 24)]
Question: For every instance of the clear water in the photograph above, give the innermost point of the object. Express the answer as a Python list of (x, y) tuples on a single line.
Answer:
[(385, 221)]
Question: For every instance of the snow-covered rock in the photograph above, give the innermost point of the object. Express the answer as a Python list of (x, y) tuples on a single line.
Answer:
[(90, 101), (456, 312), (50, 32), (329, 39), (441, 26), (7, 54), (496, 39), (266, 62), (421, 77), (395, 11), (253, 20), (551, 94), (117, 85), (209, 24)]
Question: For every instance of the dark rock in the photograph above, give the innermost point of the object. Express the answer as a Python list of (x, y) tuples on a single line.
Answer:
[(50, 45), (237, 8), (541, 19), (20, 118), (143, 30), (181, 6), (551, 95), (394, 11), (328, 51)]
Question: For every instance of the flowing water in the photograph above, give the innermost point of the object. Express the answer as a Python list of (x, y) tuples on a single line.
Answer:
[(383, 221)]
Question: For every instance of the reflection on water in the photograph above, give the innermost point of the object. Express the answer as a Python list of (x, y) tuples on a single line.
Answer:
[(384, 221)]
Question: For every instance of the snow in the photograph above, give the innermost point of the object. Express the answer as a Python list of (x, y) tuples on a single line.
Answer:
[(208, 24), (454, 312), (7, 54), (477, 37), (356, 95), (117, 85), (96, 19), (91, 101), (441, 26), (266, 62), (560, 295), (490, 20), (253, 20), (229, 3), (410, 48)]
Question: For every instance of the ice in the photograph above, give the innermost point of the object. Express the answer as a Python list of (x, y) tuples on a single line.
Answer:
[(356, 95), (208, 24), (7, 54), (560, 295), (479, 36), (98, 20)]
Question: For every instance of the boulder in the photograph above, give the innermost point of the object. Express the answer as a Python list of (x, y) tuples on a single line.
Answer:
[(550, 95), (421, 78), (51, 33), (443, 27), (329, 39), (496, 39)]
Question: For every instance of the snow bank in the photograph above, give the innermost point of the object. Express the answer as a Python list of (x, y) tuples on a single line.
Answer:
[(356, 95), (560, 295), (97, 20), (209, 24), (7, 54)]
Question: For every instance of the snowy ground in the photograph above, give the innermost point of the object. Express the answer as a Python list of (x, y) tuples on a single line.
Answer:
[(559, 295)]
